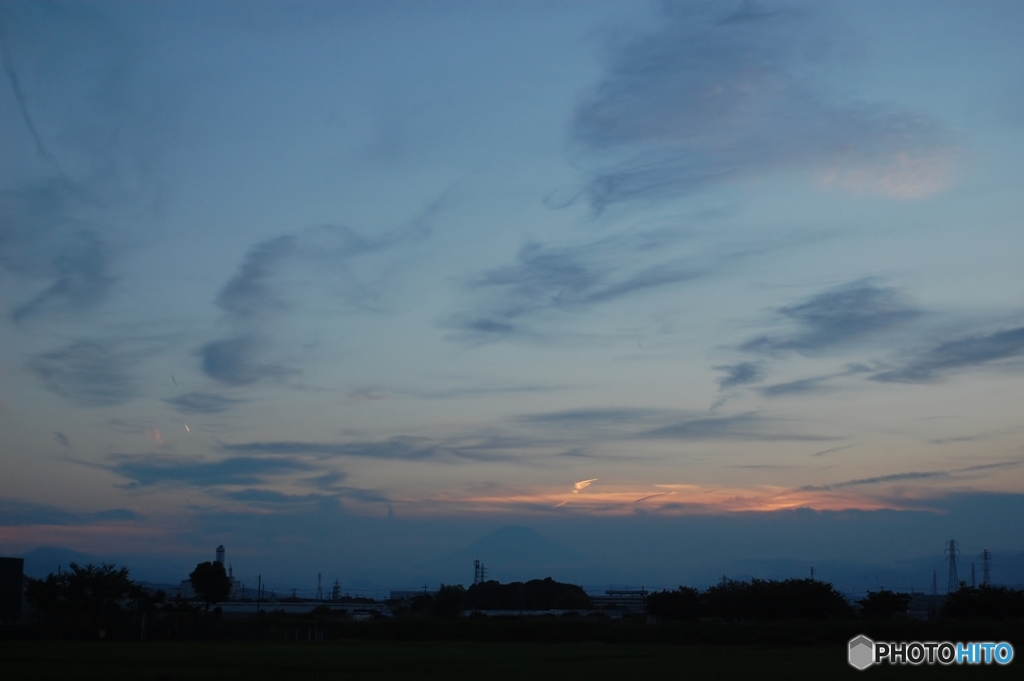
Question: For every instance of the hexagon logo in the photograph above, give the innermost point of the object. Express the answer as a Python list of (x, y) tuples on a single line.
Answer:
[(862, 652)]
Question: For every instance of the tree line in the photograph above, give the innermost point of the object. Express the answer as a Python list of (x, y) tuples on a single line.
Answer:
[(90, 599), (103, 600), (536, 594), (760, 600)]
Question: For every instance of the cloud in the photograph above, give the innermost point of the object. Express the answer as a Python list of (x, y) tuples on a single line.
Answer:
[(275, 498), (596, 417), (271, 497), (800, 387), (235, 361), (641, 423), (61, 439), (833, 450), (248, 293), (837, 317), (201, 403), (255, 298), (738, 427), (146, 470), (895, 477), (707, 99), (546, 279), (398, 448), (740, 374), (92, 373), (327, 481), (42, 238), (964, 353), (80, 269), (19, 513), (19, 94), (912, 475)]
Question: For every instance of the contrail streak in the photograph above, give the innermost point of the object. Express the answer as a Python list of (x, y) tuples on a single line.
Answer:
[(19, 95)]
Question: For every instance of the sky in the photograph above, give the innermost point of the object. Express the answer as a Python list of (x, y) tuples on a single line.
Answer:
[(630, 292)]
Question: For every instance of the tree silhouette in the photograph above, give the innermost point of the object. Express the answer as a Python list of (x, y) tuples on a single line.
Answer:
[(83, 595), (681, 604), (988, 602), (883, 604), (449, 601), (210, 582)]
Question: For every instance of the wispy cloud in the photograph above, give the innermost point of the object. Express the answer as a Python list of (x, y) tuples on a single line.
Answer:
[(255, 300), (799, 387), (740, 374), (640, 423), (837, 317), (964, 353), (92, 373), (912, 475), (406, 448), (327, 481), (748, 426), (17, 513), (547, 279), (833, 450), (599, 416), (237, 361), (147, 470), (19, 94), (272, 497), (249, 293), (42, 239), (201, 403), (711, 97)]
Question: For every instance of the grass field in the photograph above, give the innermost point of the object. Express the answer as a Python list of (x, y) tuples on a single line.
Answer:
[(194, 661)]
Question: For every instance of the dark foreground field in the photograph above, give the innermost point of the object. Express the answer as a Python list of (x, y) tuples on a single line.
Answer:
[(193, 661)]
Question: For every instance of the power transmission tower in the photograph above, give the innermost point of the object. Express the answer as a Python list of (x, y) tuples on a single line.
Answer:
[(973, 584), (479, 572), (986, 556), (952, 552), (319, 587)]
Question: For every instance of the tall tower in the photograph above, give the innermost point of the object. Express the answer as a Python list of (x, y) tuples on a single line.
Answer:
[(220, 555), (986, 556), (952, 552), (479, 572)]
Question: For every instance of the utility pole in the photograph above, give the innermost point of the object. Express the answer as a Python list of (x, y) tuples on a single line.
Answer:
[(986, 556)]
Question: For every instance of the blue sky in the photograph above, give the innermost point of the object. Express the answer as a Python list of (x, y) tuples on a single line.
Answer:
[(285, 275)]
